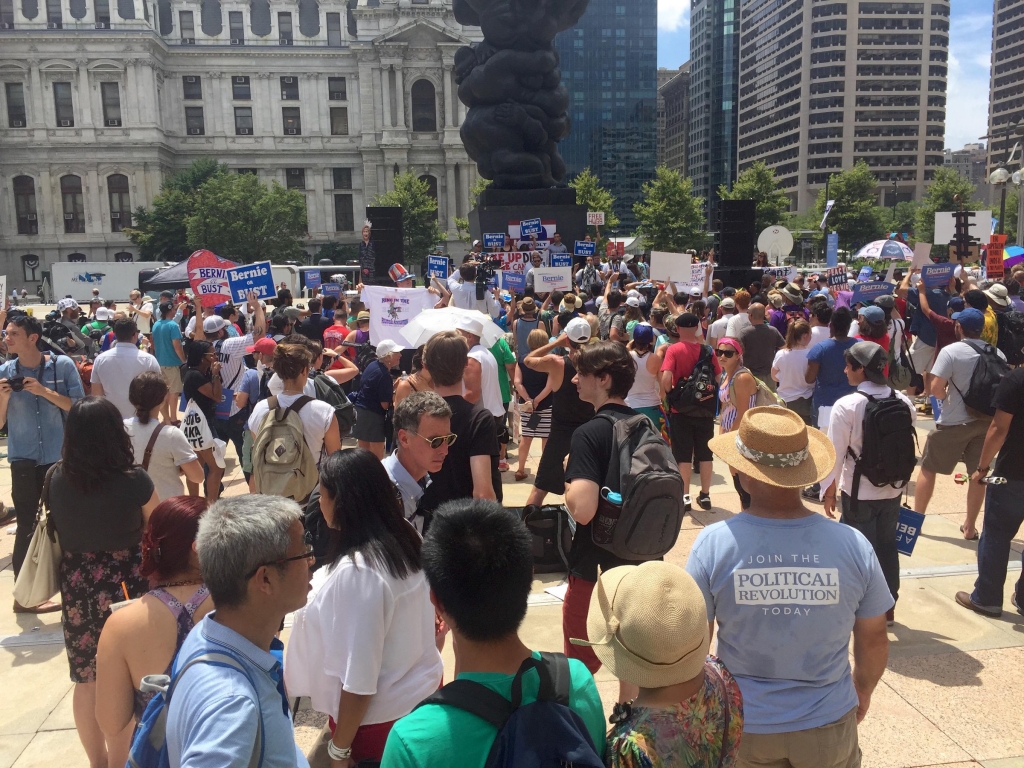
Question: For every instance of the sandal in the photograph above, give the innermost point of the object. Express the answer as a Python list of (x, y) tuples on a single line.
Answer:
[(46, 607), (521, 474), (975, 537)]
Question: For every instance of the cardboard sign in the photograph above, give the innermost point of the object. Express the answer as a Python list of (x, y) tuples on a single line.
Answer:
[(494, 240), (922, 256), (331, 289), (311, 278), (907, 530), (552, 279), (513, 281), (865, 293), (781, 273), (530, 227), (865, 274), (256, 277), (437, 266), (832, 249), (836, 276), (937, 275), (561, 259), (668, 266), (585, 248), (595, 218), (208, 277), (973, 253), (994, 260)]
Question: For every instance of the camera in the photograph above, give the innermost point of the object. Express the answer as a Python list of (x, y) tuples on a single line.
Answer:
[(486, 270), (16, 383)]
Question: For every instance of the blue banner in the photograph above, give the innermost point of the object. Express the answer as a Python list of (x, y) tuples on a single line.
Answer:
[(585, 248), (865, 274), (251, 277), (513, 281), (832, 249), (494, 240), (561, 260), (331, 289), (907, 530), (864, 293), (530, 227), (311, 278), (437, 266), (937, 275)]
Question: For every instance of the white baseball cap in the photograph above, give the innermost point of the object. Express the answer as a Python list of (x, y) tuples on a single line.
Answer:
[(578, 330), (469, 325), (102, 313), (388, 347), (214, 324), (65, 304), (633, 301)]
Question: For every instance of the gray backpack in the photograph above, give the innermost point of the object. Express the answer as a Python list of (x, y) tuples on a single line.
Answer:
[(282, 464), (646, 524)]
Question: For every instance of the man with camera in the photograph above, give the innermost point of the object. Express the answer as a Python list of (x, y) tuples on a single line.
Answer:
[(469, 295), (35, 390)]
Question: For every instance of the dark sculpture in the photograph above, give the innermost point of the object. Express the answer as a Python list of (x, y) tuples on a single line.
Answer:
[(512, 85)]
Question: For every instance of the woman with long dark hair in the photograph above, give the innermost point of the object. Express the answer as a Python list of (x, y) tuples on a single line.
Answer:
[(99, 502), (363, 648), (142, 638), (201, 383)]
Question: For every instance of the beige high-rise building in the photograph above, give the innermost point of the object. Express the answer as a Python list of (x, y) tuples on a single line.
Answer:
[(1005, 105), (826, 84)]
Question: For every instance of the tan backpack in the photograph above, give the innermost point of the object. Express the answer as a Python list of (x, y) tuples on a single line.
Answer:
[(282, 464)]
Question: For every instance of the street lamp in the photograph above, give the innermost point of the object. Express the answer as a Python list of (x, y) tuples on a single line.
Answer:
[(999, 177)]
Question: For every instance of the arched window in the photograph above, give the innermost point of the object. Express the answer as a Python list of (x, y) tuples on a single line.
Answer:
[(124, 257), (424, 107), (120, 206), (74, 205), (431, 184), (76, 258), (30, 267), (25, 205)]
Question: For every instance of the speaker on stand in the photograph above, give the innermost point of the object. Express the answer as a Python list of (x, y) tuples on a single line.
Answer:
[(386, 236), (736, 233)]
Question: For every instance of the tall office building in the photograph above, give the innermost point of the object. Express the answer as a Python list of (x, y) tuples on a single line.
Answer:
[(970, 163), (609, 63), (826, 84), (1005, 106), (674, 117), (100, 102)]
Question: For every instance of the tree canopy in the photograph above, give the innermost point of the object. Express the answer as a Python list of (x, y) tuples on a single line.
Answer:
[(856, 215), (420, 229), (939, 197), (670, 216), (758, 183), (590, 193)]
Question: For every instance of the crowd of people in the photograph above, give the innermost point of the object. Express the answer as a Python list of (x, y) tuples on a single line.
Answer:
[(383, 550)]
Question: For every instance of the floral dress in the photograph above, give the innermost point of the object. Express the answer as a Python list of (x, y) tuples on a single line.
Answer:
[(702, 732)]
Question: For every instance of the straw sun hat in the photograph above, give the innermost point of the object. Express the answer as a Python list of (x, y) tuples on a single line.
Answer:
[(648, 624), (774, 446)]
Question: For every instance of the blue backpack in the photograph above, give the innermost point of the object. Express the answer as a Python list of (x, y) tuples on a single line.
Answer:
[(149, 742), (543, 733)]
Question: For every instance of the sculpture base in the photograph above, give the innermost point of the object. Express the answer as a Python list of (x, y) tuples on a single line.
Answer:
[(497, 208)]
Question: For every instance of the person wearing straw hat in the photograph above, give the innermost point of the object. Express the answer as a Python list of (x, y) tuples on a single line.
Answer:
[(647, 624), (787, 586)]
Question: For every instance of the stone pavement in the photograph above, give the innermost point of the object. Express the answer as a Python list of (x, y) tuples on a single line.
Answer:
[(947, 698)]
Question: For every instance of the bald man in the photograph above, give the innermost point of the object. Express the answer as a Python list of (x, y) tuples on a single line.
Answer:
[(760, 343)]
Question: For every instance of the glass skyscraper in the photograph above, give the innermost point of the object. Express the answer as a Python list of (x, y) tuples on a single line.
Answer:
[(610, 66)]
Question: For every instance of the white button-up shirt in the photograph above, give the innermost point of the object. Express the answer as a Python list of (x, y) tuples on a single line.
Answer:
[(410, 491)]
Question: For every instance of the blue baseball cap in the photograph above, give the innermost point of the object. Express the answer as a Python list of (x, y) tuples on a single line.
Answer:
[(643, 333), (956, 303), (970, 320), (872, 314)]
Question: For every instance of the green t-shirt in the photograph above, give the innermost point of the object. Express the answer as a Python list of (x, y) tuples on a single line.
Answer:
[(504, 355), (437, 735)]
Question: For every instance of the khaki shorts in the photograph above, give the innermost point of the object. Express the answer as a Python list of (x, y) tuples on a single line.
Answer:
[(172, 377), (921, 356), (948, 445), (827, 746)]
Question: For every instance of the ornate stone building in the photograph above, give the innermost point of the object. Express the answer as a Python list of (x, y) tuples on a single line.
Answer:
[(100, 102)]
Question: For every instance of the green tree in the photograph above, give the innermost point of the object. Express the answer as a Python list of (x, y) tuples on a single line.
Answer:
[(420, 229), (855, 215), (339, 253), (905, 219), (461, 222), (239, 218), (192, 178), (671, 218), (1010, 225), (758, 183), (590, 193), (939, 197)]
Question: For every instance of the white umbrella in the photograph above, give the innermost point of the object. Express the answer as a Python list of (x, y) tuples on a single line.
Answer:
[(431, 322), (885, 249)]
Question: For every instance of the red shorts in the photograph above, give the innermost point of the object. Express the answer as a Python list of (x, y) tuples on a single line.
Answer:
[(574, 622), (369, 741)]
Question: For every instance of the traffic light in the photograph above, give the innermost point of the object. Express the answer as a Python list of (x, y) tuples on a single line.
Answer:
[(962, 240)]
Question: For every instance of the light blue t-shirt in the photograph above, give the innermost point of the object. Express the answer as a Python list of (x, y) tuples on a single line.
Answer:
[(164, 334), (786, 594)]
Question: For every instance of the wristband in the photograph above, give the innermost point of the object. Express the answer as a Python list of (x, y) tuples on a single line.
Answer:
[(337, 753)]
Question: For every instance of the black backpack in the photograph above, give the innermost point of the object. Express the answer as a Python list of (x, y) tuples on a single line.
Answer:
[(330, 391), (988, 372), (888, 452), (551, 531), (365, 354), (546, 732), (1011, 336), (695, 395)]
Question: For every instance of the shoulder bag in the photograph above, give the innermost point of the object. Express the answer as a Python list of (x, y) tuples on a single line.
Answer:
[(39, 578)]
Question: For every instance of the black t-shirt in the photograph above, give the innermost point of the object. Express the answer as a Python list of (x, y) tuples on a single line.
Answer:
[(106, 520), (313, 327), (1010, 399), (190, 385), (477, 436), (589, 458)]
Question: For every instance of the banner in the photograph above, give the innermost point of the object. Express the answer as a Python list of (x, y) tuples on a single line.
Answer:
[(937, 275), (552, 279), (828, 210), (865, 274), (494, 240), (530, 227), (994, 260), (585, 248), (513, 281), (256, 277), (667, 266), (561, 259), (595, 218), (781, 273), (836, 276), (515, 261), (437, 266), (311, 278), (208, 277), (331, 289), (907, 530), (391, 309), (865, 293), (832, 249)]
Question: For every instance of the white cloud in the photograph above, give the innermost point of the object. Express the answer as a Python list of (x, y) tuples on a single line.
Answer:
[(673, 14)]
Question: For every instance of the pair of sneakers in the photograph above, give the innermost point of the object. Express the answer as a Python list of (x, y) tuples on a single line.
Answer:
[(703, 501)]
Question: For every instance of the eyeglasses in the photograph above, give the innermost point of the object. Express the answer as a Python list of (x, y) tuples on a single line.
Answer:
[(309, 556), (435, 442), (728, 354)]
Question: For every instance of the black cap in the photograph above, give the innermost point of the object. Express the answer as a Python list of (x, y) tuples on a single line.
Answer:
[(687, 320)]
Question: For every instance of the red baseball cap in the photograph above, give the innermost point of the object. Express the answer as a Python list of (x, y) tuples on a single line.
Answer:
[(264, 346)]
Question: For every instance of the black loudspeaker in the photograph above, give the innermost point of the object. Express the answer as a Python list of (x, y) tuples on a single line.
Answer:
[(736, 235), (386, 237), (738, 277)]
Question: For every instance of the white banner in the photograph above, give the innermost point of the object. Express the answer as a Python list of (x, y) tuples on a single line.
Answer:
[(670, 266), (391, 309), (552, 279), (828, 210)]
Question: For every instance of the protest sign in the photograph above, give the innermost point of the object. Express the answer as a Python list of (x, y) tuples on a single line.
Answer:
[(391, 309), (994, 259), (208, 277), (864, 293), (836, 276), (437, 266), (256, 277), (979, 226), (595, 218), (530, 227), (552, 279), (668, 266), (494, 240), (331, 289), (937, 275), (585, 248), (3, 286), (922, 256), (907, 530), (514, 261), (865, 274), (890, 275), (311, 278), (832, 249), (513, 281), (781, 273), (561, 259)]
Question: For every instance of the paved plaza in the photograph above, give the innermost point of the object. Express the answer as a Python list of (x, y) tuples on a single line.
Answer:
[(952, 694)]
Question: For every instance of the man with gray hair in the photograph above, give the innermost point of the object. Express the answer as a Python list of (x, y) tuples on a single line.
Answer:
[(423, 432), (255, 560)]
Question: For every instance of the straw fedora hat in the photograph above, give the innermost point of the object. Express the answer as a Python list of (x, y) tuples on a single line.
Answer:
[(774, 445), (648, 624)]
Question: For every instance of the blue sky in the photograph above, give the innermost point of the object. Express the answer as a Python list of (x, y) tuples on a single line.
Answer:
[(970, 43)]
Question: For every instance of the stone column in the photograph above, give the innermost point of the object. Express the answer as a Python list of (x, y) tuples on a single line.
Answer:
[(389, 175), (364, 100), (36, 111), (95, 202), (263, 119), (400, 96), (48, 205), (213, 106), (385, 94), (131, 104), (320, 124), (446, 118), (451, 205), (84, 97)]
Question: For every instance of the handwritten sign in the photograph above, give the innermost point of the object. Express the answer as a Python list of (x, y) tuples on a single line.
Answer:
[(907, 530), (937, 275), (595, 218), (208, 277), (552, 279), (256, 277), (437, 266), (865, 293), (781, 273), (561, 259), (865, 274), (994, 260), (836, 276), (494, 240), (514, 261), (585, 248), (530, 227)]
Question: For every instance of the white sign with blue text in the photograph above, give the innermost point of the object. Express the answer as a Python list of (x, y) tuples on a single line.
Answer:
[(256, 277)]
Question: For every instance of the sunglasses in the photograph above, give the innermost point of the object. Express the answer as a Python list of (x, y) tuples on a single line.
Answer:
[(309, 556), (728, 354), (436, 442)]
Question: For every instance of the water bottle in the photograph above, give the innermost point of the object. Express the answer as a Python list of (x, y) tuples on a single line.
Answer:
[(609, 507)]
